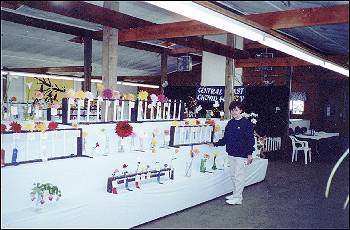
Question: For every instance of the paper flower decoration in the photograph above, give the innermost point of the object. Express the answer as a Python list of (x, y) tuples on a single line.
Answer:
[(3, 128), (125, 166), (85, 134), (116, 94), (52, 125), (80, 94), (13, 98), (40, 126), (154, 141), (107, 93), (216, 104), (142, 96), (29, 125), (99, 87), (15, 127), (123, 129), (162, 98), (130, 97), (69, 93), (89, 95)]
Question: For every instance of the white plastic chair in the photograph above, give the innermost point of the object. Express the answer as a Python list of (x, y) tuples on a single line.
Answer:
[(300, 146)]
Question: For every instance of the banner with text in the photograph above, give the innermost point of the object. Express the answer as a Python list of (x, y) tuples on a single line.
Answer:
[(216, 93)]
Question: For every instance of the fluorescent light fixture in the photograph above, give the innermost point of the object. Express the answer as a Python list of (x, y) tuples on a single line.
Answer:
[(336, 68), (210, 17), (192, 10), (138, 84), (285, 47)]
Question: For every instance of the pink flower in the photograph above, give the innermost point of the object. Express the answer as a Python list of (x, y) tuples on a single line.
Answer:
[(39, 95), (116, 94), (107, 93), (162, 98)]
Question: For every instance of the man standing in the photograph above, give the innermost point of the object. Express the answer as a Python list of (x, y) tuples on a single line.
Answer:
[(239, 141)]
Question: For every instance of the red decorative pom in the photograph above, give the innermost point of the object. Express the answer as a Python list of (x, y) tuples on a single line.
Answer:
[(15, 127), (210, 122), (52, 125), (123, 129), (3, 128)]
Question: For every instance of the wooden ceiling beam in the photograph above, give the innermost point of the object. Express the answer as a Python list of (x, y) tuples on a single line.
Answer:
[(260, 62), (302, 17), (100, 15), (272, 20), (43, 70)]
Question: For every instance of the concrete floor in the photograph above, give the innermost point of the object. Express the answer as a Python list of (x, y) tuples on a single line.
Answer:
[(291, 196)]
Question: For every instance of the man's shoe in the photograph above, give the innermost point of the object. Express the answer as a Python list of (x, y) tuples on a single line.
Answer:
[(234, 201), (230, 197)]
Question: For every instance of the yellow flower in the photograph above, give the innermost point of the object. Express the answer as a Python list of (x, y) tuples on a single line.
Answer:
[(80, 94), (192, 122), (99, 87), (130, 97), (40, 126), (154, 141), (142, 95), (85, 133), (69, 93), (216, 154), (175, 123), (75, 124), (29, 125), (217, 128)]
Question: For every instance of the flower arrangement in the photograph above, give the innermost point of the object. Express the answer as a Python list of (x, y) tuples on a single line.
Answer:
[(203, 167), (15, 127), (210, 122), (89, 95), (3, 128), (40, 126), (53, 125), (154, 98), (142, 95), (13, 99), (107, 93), (123, 129), (130, 97), (251, 116), (175, 123), (69, 93), (42, 191), (116, 94), (162, 98), (29, 125), (80, 94)]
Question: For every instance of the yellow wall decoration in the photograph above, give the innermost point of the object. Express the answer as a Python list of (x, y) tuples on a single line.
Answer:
[(52, 88)]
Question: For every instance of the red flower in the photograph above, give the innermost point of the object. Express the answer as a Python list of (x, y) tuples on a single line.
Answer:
[(3, 128), (15, 127), (13, 98), (52, 125), (210, 122), (123, 129)]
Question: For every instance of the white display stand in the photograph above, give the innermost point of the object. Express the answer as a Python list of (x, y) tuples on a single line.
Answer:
[(85, 203)]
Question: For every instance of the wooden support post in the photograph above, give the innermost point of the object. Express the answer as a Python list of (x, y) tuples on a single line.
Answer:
[(229, 78)]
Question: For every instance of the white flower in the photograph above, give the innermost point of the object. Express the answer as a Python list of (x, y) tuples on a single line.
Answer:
[(253, 120), (216, 104), (244, 114), (199, 108), (89, 95), (29, 84), (222, 113), (154, 98)]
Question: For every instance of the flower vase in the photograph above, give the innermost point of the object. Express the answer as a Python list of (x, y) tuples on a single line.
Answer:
[(214, 164), (188, 169), (121, 145), (203, 167)]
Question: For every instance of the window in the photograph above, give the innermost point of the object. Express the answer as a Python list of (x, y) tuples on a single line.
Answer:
[(296, 106), (296, 102)]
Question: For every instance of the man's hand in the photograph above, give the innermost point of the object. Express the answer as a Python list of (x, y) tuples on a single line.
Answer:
[(250, 159)]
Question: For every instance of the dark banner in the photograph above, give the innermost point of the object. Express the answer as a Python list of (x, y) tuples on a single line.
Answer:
[(216, 93)]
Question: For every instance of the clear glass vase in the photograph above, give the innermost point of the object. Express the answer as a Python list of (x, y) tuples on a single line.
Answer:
[(188, 170), (203, 166)]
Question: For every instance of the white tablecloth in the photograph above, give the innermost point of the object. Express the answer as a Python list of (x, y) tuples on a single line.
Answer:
[(86, 204), (318, 135)]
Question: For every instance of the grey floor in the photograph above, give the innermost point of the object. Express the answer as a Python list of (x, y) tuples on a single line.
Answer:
[(291, 196)]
